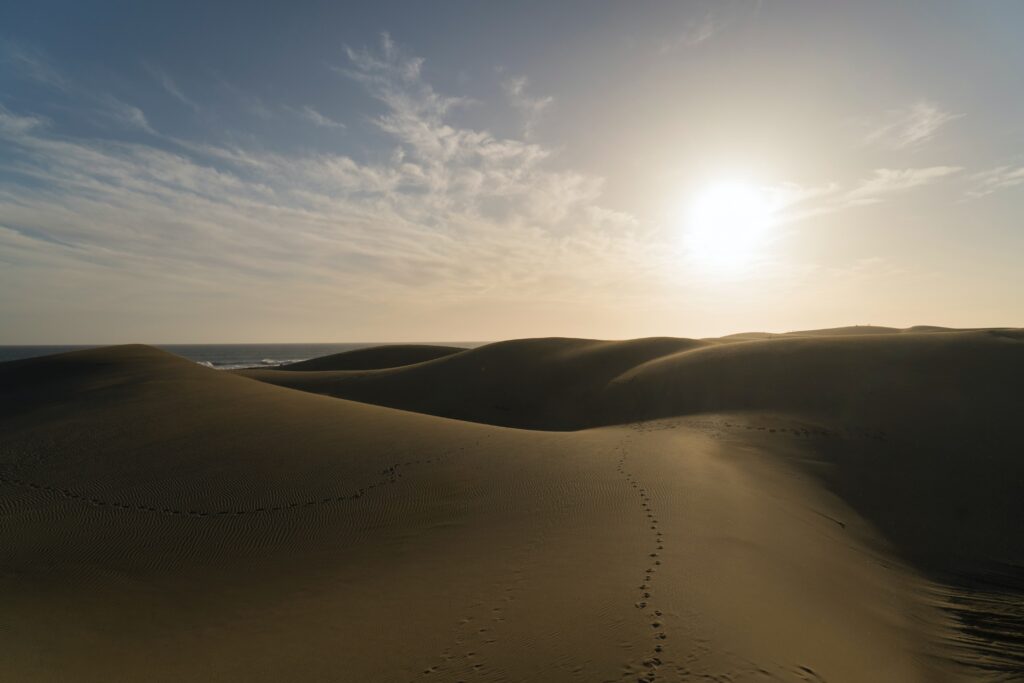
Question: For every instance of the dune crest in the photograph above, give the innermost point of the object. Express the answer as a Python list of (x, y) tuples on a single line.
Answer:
[(375, 357)]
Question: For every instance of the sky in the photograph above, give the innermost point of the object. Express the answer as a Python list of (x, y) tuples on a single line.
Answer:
[(325, 172)]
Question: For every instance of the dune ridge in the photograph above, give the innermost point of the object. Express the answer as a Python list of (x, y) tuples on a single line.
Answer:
[(572, 384), (375, 357), (677, 510), (531, 383)]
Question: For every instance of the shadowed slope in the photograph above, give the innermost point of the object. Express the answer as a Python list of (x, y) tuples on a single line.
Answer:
[(534, 383), (572, 384), (906, 378), (375, 357)]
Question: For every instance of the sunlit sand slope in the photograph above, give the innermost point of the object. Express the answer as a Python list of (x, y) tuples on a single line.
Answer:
[(164, 521)]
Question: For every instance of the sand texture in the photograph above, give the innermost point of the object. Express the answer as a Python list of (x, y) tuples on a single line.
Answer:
[(841, 506)]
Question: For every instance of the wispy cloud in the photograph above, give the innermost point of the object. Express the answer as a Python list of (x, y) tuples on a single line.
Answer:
[(168, 84), (910, 126), (33, 65), (994, 180), (453, 212), (706, 21), (15, 125), (248, 102), (414, 108), (531, 107), (694, 32), (797, 202), (313, 116), (126, 114), (887, 181)]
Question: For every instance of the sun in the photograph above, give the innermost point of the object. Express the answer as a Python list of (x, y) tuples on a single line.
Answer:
[(726, 226)]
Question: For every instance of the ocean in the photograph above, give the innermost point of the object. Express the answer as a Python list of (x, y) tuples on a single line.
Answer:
[(225, 356)]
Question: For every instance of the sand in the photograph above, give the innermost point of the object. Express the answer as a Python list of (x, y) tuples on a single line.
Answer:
[(375, 357), (813, 508)]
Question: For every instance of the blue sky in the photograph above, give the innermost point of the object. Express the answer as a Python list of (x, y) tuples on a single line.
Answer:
[(463, 170)]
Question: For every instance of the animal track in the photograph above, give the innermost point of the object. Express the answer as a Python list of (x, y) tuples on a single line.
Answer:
[(799, 430), (651, 663), (390, 475)]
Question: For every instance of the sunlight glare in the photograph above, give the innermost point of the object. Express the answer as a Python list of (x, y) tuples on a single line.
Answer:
[(726, 226)]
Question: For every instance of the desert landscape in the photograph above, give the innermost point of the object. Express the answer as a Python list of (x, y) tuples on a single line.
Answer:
[(836, 505), (511, 342)]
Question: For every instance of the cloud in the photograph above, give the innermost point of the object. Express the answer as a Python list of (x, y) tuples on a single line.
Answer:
[(315, 117), (126, 114), (171, 87), (452, 213), (701, 28), (444, 156), (886, 181), (251, 104), (996, 179), (796, 202), (910, 126), (13, 124), (32, 64), (531, 107), (394, 79), (695, 32)]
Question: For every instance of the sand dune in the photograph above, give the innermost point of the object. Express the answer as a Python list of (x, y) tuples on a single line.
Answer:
[(573, 384), (849, 331), (533, 383), (375, 357), (806, 509)]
